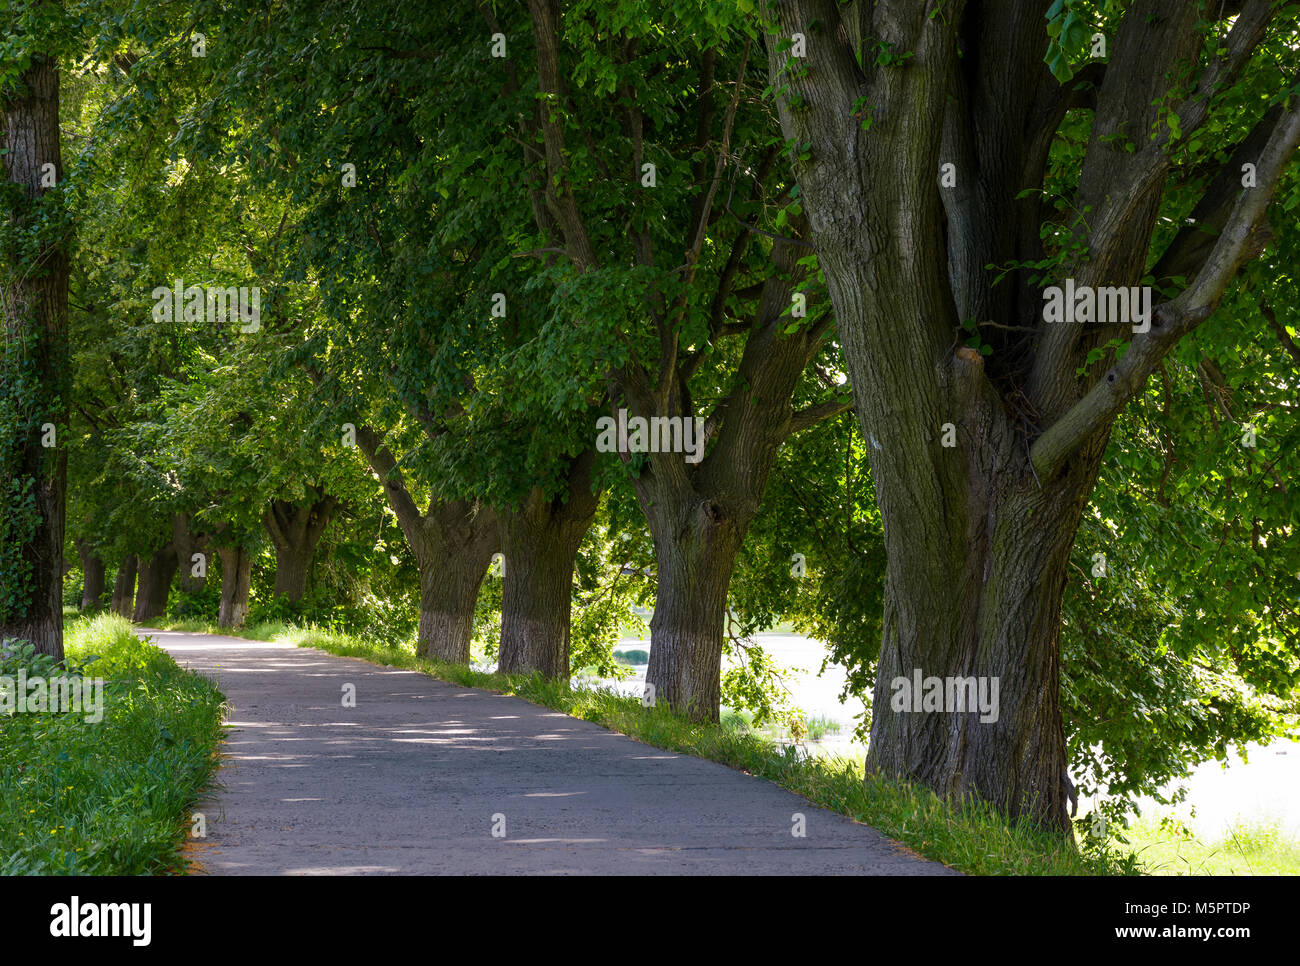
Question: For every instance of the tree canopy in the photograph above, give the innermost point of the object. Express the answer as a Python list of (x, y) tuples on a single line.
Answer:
[(961, 335)]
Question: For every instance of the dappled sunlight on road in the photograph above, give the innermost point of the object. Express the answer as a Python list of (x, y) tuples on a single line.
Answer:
[(334, 765)]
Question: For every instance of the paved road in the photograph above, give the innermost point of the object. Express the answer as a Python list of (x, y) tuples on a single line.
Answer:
[(412, 779)]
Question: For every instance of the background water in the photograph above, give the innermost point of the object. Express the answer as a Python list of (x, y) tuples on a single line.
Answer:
[(1265, 787)]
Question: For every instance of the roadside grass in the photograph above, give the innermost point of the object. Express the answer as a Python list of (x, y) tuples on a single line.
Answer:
[(263, 631), (109, 797), (1168, 847), (971, 836)]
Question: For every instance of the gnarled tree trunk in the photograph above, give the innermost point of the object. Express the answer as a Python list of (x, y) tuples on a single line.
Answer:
[(187, 542), (295, 530), (155, 586), (236, 575), (540, 541), (124, 586), (93, 576), (34, 316), (453, 544)]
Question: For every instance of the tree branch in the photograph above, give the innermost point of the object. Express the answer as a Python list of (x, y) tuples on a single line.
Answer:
[(381, 460), (1243, 237), (812, 415), (560, 200)]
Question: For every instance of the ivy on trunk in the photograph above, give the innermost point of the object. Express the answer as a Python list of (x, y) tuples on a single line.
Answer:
[(34, 370)]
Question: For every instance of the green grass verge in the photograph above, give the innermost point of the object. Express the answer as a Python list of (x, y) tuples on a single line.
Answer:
[(110, 797), (1248, 848), (971, 837)]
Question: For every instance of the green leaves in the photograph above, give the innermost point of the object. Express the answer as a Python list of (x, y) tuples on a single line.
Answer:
[(1069, 34)]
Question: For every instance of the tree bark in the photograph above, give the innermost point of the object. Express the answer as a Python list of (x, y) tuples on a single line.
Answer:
[(124, 586), (295, 530), (34, 314), (236, 575), (700, 512), (155, 585), (458, 542), (93, 577), (978, 534), (540, 541), (186, 542), (453, 543), (696, 543)]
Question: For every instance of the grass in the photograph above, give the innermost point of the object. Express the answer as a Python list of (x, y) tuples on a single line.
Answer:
[(971, 836), (112, 797), (1168, 847), (819, 726), (264, 631)]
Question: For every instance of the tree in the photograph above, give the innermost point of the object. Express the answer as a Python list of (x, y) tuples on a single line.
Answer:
[(453, 542), (295, 529), (978, 536), (637, 170), (34, 314), (93, 576), (124, 586), (402, 274)]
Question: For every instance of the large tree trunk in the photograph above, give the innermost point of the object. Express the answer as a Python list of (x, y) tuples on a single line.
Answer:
[(93, 577), (458, 541), (976, 549), (975, 577), (695, 547), (187, 542), (124, 586), (34, 314), (295, 530), (155, 585), (700, 512), (453, 544), (236, 575), (540, 541)]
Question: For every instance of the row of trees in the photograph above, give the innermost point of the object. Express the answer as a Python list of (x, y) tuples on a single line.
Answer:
[(476, 229)]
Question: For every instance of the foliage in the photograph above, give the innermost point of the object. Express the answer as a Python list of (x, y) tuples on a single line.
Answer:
[(229, 169), (107, 798)]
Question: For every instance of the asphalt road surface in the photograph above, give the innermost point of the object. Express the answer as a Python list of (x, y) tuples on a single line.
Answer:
[(422, 777)]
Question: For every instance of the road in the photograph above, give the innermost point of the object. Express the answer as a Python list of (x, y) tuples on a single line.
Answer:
[(417, 777)]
